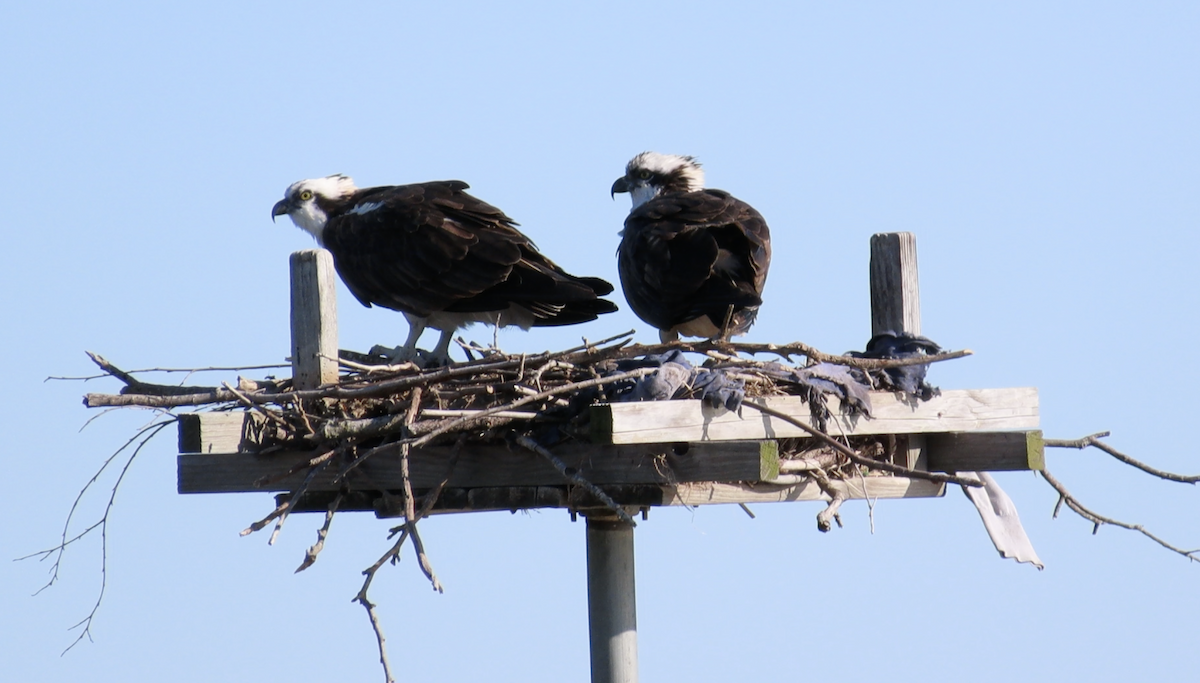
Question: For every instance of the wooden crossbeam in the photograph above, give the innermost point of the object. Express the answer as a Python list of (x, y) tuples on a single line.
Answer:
[(986, 451), (953, 411), (489, 466), (637, 495)]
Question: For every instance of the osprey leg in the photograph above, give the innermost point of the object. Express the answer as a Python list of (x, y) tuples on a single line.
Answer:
[(441, 354), (409, 351)]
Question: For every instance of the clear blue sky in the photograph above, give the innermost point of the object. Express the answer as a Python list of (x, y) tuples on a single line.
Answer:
[(1046, 155)]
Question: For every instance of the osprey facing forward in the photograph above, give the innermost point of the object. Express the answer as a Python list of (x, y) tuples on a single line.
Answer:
[(692, 261), (442, 257)]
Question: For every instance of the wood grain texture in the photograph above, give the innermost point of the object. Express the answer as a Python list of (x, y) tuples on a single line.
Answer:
[(895, 288), (673, 421), (492, 466), (314, 319), (219, 432), (713, 493), (455, 500), (986, 451)]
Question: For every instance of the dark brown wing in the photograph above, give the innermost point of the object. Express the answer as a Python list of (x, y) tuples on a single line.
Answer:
[(431, 247), (693, 254)]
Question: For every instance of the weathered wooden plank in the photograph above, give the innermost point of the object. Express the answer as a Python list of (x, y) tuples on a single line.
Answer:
[(986, 451), (675, 421), (493, 466), (713, 493), (220, 432), (630, 496), (895, 299), (314, 319)]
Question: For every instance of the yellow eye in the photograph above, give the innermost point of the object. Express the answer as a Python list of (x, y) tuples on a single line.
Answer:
[(306, 195), (644, 174)]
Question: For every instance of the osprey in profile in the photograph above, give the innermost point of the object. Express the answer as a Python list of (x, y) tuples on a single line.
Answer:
[(692, 261), (440, 256)]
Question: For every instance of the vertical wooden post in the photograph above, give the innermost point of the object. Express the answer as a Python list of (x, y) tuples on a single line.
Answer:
[(896, 304), (895, 293), (612, 603), (314, 319)]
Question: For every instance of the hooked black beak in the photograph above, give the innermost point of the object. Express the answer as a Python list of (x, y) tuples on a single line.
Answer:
[(622, 185), (280, 209)]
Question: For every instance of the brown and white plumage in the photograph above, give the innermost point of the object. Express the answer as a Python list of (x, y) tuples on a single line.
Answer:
[(692, 261), (441, 256)]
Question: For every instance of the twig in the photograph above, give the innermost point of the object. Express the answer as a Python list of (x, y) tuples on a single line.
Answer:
[(279, 421), (60, 549), (135, 385), (512, 414), (410, 512), (149, 432), (858, 459), (311, 556), (837, 496), (576, 355), (451, 463), (393, 554), (870, 502), (190, 371), (566, 388), (291, 504), (575, 478), (1094, 440), (1099, 520), (153, 401), (299, 467), (262, 523), (782, 350), (369, 369)]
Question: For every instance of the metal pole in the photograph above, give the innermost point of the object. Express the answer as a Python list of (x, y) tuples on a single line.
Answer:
[(612, 604)]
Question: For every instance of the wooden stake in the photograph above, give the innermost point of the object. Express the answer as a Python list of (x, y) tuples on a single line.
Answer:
[(314, 319), (895, 297), (896, 303)]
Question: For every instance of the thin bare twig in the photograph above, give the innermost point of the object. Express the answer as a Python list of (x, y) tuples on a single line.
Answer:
[(588, 352), (392, 554), (451, 463), (242, 398), (575, 478), (291, 503), (58, 550), (410, 511), (102, 524), (1097, 520), (311, 556), (858, 459), (190, 371), (1094, 440)]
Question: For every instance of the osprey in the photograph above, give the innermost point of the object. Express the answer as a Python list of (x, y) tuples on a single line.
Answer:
[(692, 261), (440, 256)]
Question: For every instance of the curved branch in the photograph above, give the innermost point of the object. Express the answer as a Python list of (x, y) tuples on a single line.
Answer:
[(1094, 440), (1097, 520), (860, 460)]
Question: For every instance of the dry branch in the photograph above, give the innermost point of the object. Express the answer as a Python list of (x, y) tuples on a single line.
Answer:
[(1097, 520), (858, 459), (574, 478), (1094, 440), (141, 438)]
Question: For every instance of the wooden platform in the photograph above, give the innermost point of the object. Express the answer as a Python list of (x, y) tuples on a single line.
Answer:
[(660, 453), (640, 454)]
